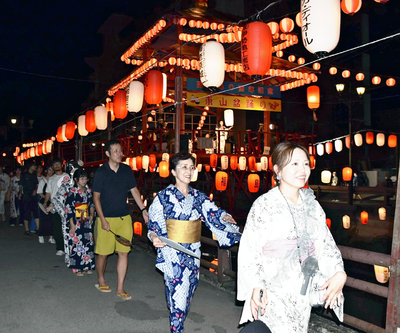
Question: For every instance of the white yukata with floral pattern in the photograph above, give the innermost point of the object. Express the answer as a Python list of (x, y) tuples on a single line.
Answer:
[(269, 258)]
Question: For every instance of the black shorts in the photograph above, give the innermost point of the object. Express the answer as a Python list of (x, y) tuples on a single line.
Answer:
[(30, 206)]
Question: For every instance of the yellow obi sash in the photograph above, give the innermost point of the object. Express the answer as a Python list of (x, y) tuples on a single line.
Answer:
[(184, 231)]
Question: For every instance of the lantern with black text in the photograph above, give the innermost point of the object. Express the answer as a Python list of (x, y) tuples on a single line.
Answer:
[(242, 163), (70, 130), (252, 163), (153, 87), (364, 217), (253, 182), (256, 49), (163, 169), (224, 162), (90, 122), (320, 25), (346, 221), (212, 64), (138, 228), (120, 110), (347, 174), (221, 180), (213, 160)]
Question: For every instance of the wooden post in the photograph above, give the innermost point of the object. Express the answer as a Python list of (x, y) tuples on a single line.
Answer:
[(267, 133), (393, 304)]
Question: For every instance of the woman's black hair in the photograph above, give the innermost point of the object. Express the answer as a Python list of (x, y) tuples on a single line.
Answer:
[(181, 156), (79, 174)]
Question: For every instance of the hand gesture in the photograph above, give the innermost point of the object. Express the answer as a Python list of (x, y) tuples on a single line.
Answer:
[(105, 225), (334, 288), (157, 241), (229, 219), (255, 302)]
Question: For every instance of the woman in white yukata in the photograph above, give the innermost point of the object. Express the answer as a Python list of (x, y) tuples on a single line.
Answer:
[(284, 227), (177, 213)]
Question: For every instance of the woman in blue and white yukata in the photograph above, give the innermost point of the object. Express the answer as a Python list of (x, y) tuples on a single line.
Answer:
[(177, 213)]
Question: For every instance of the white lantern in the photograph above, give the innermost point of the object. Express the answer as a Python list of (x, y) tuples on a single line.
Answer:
[(224, 162), (382, 213), (134, 164), (100, 117), (145, 162), (194, 176), (258, 164), (358, 140), (165, 85), (380, 139), (81, 126), (228, 117), (381, 273), (135, 95), (49, 146), (320, 149), (320, 25), (63, 133), (165, 157), (212, 64), (264, 163), (199, 167), (346, 221), (338, 145), (242, 163), (32, 152), (326, 176)]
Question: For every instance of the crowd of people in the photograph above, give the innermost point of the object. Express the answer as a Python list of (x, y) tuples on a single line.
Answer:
[(284, 232)]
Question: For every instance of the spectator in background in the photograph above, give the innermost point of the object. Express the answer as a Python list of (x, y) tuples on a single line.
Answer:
[(335, 179), (4, 183), (39, 173), (46, 222), (27, 191), (355, 185), (15, 203)]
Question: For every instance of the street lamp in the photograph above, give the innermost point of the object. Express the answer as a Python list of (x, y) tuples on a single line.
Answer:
[(13, 121)]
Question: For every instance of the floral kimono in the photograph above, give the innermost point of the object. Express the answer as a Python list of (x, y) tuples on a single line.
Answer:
[(276, 234), (80, 244), (181, 271)]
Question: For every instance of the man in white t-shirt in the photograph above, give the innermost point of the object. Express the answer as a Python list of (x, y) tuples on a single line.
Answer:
[(53, 184)]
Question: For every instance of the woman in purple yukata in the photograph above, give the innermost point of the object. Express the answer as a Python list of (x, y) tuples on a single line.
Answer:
[(177, 213), (79, 211)]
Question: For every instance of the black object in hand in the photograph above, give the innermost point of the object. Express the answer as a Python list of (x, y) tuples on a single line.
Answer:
[(308, 267)]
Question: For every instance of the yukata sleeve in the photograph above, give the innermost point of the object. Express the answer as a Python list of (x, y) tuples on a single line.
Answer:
[(90, 200), (227, 233), (59, 199), (250, 262), (156, 219), (70, 206)]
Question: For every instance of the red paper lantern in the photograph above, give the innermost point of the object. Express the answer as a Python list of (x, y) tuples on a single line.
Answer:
[(256, 49), (347, 141), (152, 160), (390, 82), (273, 181), (138, 228), (332, 70), (90, 121), (139, 164), (70, 130), (207, 167), (392, 141), (369, 138), (376, 80), (234, 162), (346, 74), (329, 147), (312, 162), (153, 89), (59, 135), (351, 7), (213, 160), (347, 174), (253, 182), (364, 217), (329, 223), (313, 97), (120, 109), (40, 150), (252, 163), (360, 77), (163, 169), (221, 180)]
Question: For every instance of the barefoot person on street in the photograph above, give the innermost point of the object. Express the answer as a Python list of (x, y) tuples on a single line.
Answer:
[(111, 184)]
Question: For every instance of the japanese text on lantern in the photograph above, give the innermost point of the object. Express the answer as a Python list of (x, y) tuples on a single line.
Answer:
[(305, 13)]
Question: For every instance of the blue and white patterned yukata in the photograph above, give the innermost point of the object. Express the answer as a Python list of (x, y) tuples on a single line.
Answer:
[(181, 271)]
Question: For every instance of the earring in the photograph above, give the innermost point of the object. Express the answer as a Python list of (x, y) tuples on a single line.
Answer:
[(278, 177)]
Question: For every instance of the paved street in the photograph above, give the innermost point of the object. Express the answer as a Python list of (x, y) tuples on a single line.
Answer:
[(40, 294)]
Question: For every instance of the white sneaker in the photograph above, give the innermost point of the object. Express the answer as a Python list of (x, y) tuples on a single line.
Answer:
[(12, 225), (41, 239), (52, 241), (59, 253)]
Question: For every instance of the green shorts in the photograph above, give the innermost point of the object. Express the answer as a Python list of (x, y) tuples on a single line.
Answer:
[(105, 242)]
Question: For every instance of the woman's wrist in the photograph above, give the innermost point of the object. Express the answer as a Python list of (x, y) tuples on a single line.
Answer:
[(143, 209)]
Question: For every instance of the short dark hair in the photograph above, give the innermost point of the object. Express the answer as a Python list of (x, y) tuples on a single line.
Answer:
[(181, 156), (110, 143), (56, 160), (79, 173)]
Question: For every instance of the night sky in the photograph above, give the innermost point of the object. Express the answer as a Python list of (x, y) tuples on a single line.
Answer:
[(43, 74)]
